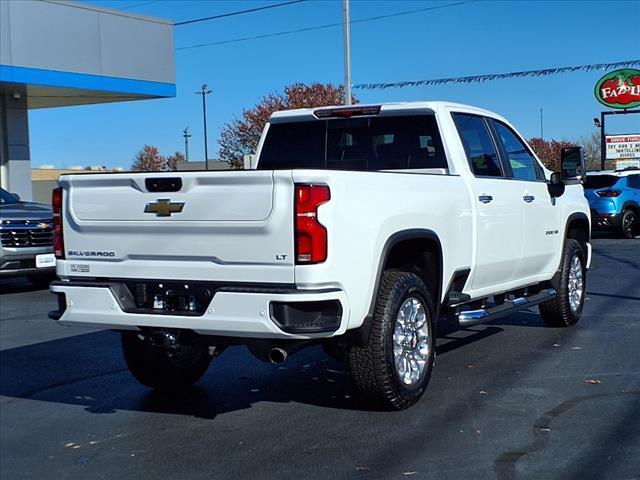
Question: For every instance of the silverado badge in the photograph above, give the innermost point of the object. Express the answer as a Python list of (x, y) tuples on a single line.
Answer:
[(163, 207)]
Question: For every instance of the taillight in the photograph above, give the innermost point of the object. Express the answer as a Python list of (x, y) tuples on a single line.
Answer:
[(56, 206), (311, 236), (608, 193)]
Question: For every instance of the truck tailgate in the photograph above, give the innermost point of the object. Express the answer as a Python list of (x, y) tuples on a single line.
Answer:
[(217, 226)]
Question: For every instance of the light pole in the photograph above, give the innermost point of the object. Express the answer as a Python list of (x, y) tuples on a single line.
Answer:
[(204, 92), (599, 123), (186, 135), (347, 52)]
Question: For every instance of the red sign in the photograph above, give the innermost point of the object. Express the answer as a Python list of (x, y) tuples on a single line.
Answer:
[(619, 89), (623, 138)]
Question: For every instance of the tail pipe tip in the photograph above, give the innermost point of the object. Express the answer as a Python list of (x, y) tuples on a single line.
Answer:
[(277, 356)]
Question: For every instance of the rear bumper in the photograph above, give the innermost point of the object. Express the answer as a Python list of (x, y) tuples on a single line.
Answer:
[(16, 262), (243, 314), (605, 220), (605, 213)]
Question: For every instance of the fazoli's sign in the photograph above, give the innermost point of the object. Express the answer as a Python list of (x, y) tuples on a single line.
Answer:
[(619, 89)]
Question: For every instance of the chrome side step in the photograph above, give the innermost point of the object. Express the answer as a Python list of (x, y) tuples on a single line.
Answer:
[(483, 315)]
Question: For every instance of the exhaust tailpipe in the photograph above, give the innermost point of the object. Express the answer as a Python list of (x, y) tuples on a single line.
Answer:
[(277, 356)]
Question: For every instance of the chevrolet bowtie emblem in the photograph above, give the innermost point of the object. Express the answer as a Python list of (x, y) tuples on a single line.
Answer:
[(163, 207), (43, 225)]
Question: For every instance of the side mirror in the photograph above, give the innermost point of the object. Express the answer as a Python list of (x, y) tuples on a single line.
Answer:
[(16, 195), (572, 165), (555, 185)]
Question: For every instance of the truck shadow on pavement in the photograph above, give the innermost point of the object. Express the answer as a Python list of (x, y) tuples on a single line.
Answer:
[(19, 285), (89, 370)]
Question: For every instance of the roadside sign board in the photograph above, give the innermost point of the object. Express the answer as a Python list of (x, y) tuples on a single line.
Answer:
[(623, 147), (622, 164)]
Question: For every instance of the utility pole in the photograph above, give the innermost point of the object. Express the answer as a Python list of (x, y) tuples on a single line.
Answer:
[(541, 129), (603, 142), (186, 135), (204, 91), (347, 52)]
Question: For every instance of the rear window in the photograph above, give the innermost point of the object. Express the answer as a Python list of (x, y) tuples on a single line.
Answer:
[(600, 181), (377, 143)]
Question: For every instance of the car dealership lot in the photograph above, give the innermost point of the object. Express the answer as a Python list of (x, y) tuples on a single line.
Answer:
[(511, 399)]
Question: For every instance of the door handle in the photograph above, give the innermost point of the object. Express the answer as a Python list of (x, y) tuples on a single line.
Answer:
[(528, 198), (485, 198)]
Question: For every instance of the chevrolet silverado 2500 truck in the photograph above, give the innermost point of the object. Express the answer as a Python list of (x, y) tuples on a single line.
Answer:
[(358, 229)]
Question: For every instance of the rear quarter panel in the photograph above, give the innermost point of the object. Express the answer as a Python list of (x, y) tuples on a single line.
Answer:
[(366, 209)]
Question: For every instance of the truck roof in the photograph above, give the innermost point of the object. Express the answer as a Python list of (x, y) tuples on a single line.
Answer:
[(302, 114)]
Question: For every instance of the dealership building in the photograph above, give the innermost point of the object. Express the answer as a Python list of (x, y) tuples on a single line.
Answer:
[(56, 53)]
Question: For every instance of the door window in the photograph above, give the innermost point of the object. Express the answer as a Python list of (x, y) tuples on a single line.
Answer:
[(522, 163), (634, 181), (478, 146)]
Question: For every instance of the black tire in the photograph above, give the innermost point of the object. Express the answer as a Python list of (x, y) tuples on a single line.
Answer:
[(558, 312), (373, 368), (155, 367), (630, 224)]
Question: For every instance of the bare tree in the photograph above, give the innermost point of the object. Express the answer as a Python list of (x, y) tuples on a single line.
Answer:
[(591, 145), (149, 160), (171, 162)]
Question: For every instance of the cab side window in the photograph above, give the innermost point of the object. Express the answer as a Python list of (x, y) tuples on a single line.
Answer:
[(522, 163), (478, 146)]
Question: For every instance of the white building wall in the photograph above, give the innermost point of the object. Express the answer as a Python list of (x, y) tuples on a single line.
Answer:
[(56, 47), (77, 38)]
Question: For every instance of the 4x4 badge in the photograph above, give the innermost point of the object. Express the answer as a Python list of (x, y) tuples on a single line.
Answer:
[(163, 207)]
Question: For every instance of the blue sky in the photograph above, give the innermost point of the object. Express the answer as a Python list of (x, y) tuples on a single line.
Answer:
[(475, 38)]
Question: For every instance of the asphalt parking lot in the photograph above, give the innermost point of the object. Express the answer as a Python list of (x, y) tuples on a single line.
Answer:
[(511, 399)]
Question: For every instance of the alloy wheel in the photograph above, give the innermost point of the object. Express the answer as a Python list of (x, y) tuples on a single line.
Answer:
[(576, 283), (411, 341)]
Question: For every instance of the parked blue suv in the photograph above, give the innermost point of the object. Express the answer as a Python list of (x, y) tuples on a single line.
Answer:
[(614, 198)]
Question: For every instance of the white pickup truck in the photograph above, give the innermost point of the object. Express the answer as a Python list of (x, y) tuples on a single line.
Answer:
[(358, 229)]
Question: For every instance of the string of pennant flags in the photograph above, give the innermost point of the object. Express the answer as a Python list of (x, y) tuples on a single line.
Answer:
[(497, 76)]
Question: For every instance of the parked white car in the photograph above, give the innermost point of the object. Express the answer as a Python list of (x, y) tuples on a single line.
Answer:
[(359, 229)]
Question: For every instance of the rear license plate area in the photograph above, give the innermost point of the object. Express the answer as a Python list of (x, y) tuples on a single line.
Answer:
[(160, 297)]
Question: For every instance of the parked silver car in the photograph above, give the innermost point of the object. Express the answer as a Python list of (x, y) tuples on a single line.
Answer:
[(26, 246)]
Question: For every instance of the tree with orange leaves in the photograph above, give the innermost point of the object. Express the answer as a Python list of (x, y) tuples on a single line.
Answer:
[(241, 136), (548, 151)]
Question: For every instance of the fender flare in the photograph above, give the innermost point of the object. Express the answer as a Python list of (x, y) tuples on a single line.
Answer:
[(573, 217), (359, 336)]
